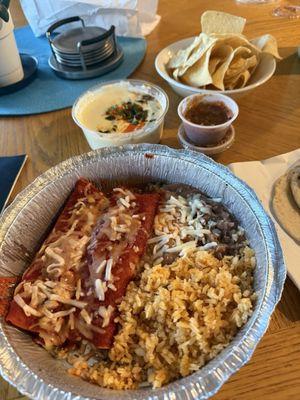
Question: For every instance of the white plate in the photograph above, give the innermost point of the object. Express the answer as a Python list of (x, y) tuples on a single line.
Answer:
[(261, 175), (263, 72)]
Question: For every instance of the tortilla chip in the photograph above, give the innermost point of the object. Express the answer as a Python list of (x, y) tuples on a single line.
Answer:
[(175, 74), (267, 44), (236, 41), (239, 81), (251, 63), (214, 63), (199, 75), (221, 22), (218, 55), (221, 56), (180, 58), (205, 43), (240, 65), (218, 76), (238, 61)]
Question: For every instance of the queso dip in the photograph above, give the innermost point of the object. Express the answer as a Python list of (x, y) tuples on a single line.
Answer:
[(118, 108)]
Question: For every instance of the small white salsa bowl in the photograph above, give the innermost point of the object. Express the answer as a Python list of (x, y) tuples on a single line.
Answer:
[(151, 132), (264, 71)]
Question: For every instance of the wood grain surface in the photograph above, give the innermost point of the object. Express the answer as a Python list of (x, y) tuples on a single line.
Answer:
[(268, 125)]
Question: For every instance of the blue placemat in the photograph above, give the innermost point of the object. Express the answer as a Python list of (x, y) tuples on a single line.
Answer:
[(10, 168), (48, 92)]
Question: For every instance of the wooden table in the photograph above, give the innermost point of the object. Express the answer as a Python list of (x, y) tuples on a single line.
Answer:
[(269, 124)]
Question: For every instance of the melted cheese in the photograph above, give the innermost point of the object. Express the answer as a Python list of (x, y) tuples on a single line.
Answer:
[(91, 109), (55, 297), (120, 228)]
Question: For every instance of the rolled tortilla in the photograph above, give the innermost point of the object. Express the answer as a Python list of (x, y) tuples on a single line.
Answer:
[(118, 242), (285, 209), (46, 301), (294, 179)]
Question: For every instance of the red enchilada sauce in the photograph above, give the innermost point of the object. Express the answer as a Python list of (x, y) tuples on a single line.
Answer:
[(206, 113)]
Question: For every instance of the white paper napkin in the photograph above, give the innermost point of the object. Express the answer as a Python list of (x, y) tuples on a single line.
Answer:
[(261, 175), (133, 18)]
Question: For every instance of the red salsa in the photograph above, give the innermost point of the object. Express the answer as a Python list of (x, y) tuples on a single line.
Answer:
[(205, 113)]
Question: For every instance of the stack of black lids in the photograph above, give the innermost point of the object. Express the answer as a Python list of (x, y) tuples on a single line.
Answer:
[(83, 52)]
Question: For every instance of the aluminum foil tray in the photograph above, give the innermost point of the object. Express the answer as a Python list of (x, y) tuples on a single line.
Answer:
[(22, 227)]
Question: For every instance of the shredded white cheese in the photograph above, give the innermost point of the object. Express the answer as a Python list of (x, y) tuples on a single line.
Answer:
[(180, 227), (101, 267), (105, 313), (75, 303), (28, 311), (112, 287), (59, 314), (127, 193), (78, 290), (124, 202), (100, 289), (108, 274), (85, 315)]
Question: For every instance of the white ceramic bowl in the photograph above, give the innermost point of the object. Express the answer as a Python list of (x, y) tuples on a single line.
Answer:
[(263, 72), (150, 133), (207, 134)]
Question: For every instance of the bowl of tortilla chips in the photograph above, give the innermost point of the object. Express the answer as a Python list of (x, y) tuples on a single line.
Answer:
[(220, 59)]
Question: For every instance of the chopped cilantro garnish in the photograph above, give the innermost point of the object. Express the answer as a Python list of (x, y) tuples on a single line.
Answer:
[(127, 111)]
